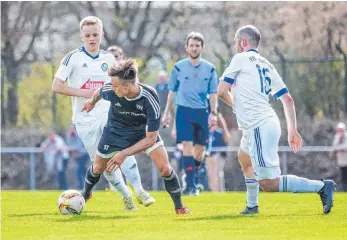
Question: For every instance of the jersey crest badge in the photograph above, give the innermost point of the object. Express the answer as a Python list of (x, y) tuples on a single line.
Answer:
[(104, 67), (139, 107)]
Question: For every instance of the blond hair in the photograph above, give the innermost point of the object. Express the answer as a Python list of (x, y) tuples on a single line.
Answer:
[(90, 20)]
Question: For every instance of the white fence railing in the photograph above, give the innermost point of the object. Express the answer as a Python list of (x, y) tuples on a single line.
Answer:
[(282, 149)]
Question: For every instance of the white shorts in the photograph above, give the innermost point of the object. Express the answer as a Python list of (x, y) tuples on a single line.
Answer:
[(261, 144), (90, 134)]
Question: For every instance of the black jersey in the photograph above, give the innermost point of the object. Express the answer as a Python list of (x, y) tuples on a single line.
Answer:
[(132, 117)]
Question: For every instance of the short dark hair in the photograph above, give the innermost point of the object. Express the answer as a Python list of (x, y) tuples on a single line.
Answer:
[(196, 36), (125, 70)]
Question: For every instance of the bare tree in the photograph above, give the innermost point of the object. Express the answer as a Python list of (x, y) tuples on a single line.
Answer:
[(141, 28), (16, 29)]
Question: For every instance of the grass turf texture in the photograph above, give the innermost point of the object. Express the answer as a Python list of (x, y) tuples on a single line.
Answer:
[(35, 215)]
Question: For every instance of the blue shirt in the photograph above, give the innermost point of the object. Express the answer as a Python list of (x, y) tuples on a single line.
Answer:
[(193, 84), (129, 118)]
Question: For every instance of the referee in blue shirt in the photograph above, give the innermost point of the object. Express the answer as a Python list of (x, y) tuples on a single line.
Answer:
[(192, 80)]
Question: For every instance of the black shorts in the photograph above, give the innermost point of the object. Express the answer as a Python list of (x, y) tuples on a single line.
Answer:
[(111, 143)]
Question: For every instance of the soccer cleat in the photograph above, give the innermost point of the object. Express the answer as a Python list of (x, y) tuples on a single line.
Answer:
[(129, 204), (86, 196), (145, 199), (327, 195), (182, 211), (248, 210)]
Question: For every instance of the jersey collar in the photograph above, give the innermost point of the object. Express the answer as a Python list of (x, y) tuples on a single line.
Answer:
[(252, 50), (138, 96), (85, 51)]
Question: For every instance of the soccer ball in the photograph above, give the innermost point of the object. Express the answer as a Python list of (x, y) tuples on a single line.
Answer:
[(71, 202)]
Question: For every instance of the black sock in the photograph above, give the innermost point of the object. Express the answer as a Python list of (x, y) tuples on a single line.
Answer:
[(173, 187), (90, 180)]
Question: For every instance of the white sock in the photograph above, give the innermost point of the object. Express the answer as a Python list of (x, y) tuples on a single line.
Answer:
[(292, 183), (116, 180), (252, 192), (131, 172)]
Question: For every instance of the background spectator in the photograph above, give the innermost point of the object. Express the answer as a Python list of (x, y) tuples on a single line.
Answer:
[(340, 143), (79, 154), (56, 158)]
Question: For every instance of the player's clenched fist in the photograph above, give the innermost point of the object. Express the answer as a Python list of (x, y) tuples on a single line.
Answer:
[(88, 105)]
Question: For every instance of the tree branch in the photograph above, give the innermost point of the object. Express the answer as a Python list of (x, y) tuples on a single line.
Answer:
[(35, 34), (340, 50), (142, 28), (134, 12), (162, 20)]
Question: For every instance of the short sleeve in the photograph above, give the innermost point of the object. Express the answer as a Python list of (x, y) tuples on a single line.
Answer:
[(152, 112), (66, 67), (213, 84), (234, 68), (278, 87), (174, 83), (105, 91)]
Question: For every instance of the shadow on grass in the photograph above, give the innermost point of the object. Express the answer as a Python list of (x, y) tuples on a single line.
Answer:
[(218, 217), (70, 218), (238, 216), (77, 218)]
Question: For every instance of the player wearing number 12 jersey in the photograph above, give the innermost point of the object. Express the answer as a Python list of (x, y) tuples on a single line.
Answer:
[(245, 85)]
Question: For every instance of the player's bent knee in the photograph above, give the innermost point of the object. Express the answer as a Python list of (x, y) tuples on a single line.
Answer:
[(165, 170), (199, 152), (268, 185), (98, 168), (187, 148)]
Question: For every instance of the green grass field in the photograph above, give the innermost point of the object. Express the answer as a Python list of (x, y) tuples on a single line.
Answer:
[(35, 215)]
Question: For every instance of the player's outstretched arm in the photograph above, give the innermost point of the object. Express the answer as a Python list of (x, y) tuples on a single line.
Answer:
[(60, 87), (224, 94), (118, 159), (294, 138)]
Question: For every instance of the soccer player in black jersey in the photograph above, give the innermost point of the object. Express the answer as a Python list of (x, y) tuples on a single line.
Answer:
[(132, 127)]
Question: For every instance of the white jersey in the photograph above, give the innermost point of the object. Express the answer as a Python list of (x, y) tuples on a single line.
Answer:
[(253, 78), (83, 71)]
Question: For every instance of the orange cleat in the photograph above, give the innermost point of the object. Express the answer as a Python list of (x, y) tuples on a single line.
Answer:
[(183, 211)]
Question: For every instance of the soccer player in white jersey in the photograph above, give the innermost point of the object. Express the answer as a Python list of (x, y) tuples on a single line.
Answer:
[(85, 70), (245, 85)]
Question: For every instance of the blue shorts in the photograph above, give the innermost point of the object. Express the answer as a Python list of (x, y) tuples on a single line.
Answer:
[(111, 143), (192, 125)]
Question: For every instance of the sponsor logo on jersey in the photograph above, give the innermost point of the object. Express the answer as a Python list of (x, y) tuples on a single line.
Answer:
[(117, 104), (92, 84), (139, 107), (132, 114), (84, 65), (104, 67)]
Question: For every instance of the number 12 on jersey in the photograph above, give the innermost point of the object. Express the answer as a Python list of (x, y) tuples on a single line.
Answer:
[(265, 81)]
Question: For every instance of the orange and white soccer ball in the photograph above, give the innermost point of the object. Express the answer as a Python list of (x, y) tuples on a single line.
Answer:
[(71, 202)]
